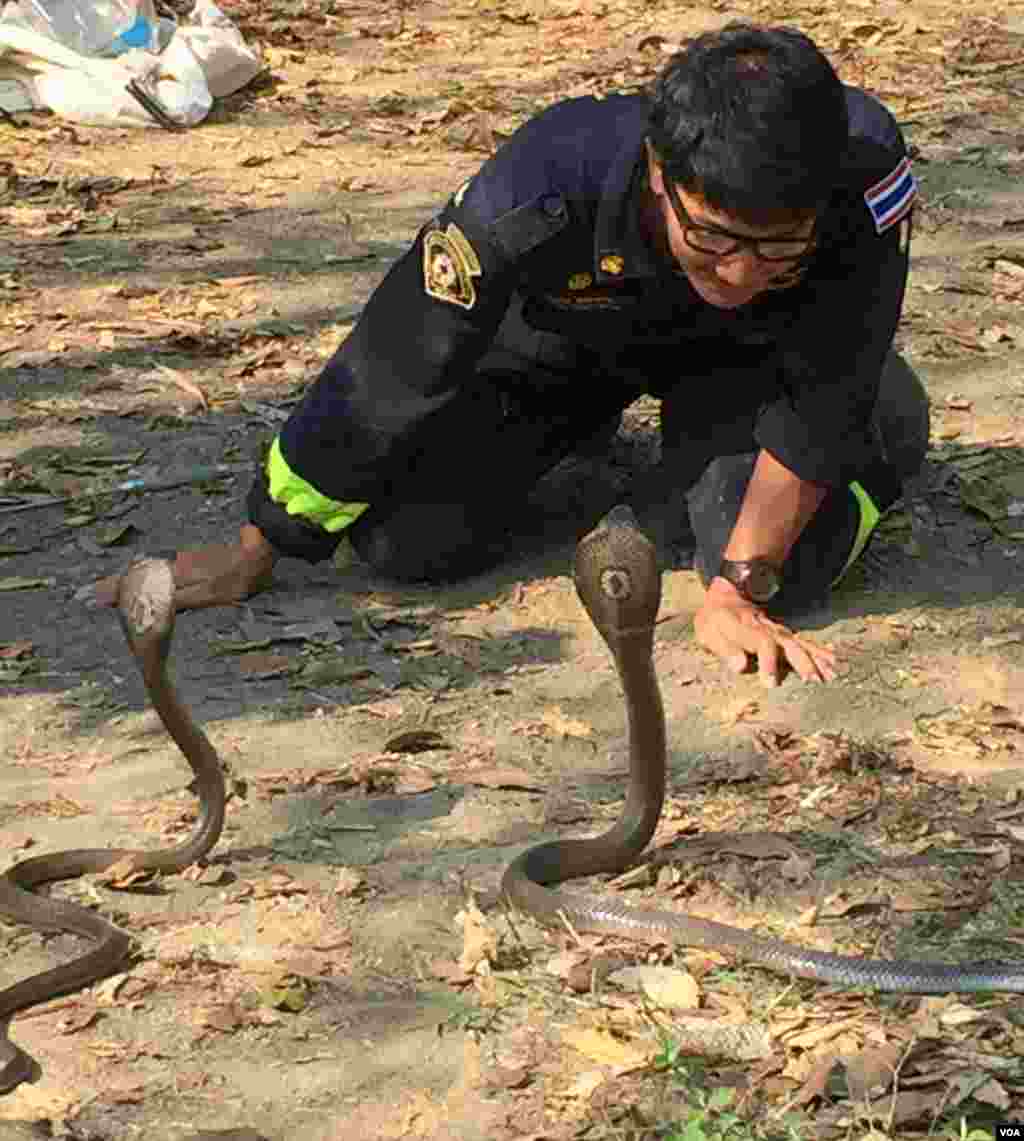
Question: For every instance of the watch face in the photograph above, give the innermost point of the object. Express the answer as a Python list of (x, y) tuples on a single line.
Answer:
[(762, 582), (756, 579)]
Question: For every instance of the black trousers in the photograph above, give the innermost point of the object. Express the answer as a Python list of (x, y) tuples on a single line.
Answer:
[(536, 399), (712, 474)]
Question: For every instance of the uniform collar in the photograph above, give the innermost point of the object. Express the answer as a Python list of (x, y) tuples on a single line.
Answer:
[(621, 250)]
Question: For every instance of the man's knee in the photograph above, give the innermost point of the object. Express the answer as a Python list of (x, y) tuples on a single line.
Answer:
[(420, 542), (289, 534), (901, 418)]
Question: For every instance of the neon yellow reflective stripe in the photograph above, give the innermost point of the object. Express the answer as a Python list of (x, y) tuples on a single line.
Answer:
[(298, 497), (869, 516)]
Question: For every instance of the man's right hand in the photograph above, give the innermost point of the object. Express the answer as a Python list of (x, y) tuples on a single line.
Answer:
[(220, 574), (738, 632)]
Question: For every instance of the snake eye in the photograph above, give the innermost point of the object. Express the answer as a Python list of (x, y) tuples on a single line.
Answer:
[(616, 583)]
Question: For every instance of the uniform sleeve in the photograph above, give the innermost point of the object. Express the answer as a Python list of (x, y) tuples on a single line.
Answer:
[(833, 354), (407, 357), (429, 322)]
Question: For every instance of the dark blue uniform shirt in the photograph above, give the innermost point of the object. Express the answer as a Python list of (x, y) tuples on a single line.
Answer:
[(554, 218)]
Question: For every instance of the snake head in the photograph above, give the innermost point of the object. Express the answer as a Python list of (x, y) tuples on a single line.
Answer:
[(145, 604), (617, 576)]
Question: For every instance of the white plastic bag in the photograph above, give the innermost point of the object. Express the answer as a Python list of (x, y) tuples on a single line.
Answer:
[(203, 58), (88, 27), (95, 91), (226, 59)]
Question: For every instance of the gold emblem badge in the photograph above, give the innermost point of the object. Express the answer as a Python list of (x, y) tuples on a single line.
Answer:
[(612, 263), (449, 266), (581, 280)]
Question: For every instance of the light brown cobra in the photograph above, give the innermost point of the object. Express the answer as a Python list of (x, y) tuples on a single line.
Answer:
[(619, 585), (146, 608)]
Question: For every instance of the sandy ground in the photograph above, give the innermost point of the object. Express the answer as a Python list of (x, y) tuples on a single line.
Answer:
[(166, 298)]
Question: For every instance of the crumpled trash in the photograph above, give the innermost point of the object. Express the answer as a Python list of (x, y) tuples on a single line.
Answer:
[(170, 82), (89, 27)]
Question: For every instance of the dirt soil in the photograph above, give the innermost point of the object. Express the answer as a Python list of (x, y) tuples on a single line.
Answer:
[(336, 970)]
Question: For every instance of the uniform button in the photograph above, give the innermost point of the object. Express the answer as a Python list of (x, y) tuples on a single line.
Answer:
[(553, 206)]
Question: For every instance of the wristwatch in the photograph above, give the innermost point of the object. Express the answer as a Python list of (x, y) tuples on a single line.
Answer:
[(758, 580)]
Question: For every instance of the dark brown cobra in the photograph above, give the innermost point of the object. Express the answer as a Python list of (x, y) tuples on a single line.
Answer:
[(146, 606), (619, 585)]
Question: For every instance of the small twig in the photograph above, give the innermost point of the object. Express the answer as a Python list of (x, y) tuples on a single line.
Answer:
[(202, 474), (897, 1069), (323, 697), (49, 501), (520, 941), (572, 930), (775, 1002), (47, 1008)]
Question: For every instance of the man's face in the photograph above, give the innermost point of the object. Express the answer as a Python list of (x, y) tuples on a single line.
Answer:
[(732, 280)]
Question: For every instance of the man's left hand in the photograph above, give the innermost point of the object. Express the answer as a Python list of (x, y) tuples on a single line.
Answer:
[(734, 629)]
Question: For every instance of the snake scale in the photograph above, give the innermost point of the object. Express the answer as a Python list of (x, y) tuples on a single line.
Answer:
[(619, 584), (146, 609)]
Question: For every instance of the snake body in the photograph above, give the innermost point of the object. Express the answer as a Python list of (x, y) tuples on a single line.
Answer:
[(146, 609), (618, 582)]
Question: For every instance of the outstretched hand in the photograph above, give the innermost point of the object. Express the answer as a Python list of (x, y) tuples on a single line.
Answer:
[(220, 574), (735, 630)]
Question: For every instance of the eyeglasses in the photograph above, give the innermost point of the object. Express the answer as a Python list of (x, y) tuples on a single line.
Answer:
[(721, 243)]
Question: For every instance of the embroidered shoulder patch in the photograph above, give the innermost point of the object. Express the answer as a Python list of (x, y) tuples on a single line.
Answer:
[(449, 266), (891, 199)]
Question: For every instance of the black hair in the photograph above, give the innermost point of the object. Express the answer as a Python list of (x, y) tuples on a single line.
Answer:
[(753, 119)]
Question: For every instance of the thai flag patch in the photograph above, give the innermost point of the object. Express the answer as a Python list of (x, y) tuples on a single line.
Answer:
[(892, 198)]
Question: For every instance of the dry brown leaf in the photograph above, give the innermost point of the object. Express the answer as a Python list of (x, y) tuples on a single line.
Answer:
[(106, 992), (667, 987), (826, 1032), (503, 777), (956, 1013), (583, 967), (125, 1092), (871, 1068), (186, 385), (479, 940), (134, 989), (409, 781), (63, 806), (602, 1047), (509, 1077), (992, 1093), (124, 873), (449, 971), (909, 1106), (16, 649), (1008, 280), (740, 710), (262, 665), (997, 334), (581, 1088), (79, 1018), (556, 720), (415, 741), (208, 876), (561, 964), (283, 883), (225, 1017), (349, 882), (813, 1073)]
